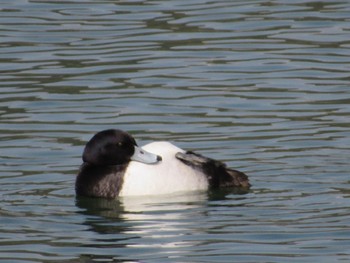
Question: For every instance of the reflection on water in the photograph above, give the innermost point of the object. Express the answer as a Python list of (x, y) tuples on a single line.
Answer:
[(166, 225), (261, 85)]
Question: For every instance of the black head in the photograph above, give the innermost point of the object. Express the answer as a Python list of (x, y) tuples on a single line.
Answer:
[(109, 147)]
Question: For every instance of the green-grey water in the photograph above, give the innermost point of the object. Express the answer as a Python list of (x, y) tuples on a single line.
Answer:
[(262, 85)]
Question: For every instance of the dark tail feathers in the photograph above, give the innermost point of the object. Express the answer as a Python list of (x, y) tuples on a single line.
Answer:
[(218, 174)]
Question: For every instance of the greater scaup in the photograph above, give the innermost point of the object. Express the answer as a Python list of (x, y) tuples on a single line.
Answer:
[(113, 165)]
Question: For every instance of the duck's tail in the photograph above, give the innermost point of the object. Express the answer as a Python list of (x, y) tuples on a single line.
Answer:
[(219, 176)]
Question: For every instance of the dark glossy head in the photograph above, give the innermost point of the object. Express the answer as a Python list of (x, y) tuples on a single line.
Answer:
[(115, 147), (109, 147)]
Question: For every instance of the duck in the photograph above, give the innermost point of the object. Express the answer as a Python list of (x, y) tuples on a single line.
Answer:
[(115, 166)]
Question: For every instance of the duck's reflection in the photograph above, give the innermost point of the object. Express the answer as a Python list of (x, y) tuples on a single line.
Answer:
[(129, 209), (168, 223)]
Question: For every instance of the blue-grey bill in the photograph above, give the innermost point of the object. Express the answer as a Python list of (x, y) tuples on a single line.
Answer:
[(140, 155)]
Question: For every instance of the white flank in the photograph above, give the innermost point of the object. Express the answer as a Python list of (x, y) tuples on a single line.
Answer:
[(168, 176)]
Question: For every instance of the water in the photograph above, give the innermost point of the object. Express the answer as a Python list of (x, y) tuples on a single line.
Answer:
[(261, 85)]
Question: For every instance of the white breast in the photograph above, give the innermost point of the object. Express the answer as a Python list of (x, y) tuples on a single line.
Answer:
[(168, 176)]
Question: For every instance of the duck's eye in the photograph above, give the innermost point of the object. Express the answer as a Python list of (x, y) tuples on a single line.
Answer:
[(120, 144)]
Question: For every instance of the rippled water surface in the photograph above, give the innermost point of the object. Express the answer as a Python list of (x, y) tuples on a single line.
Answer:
[(262, 85)]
